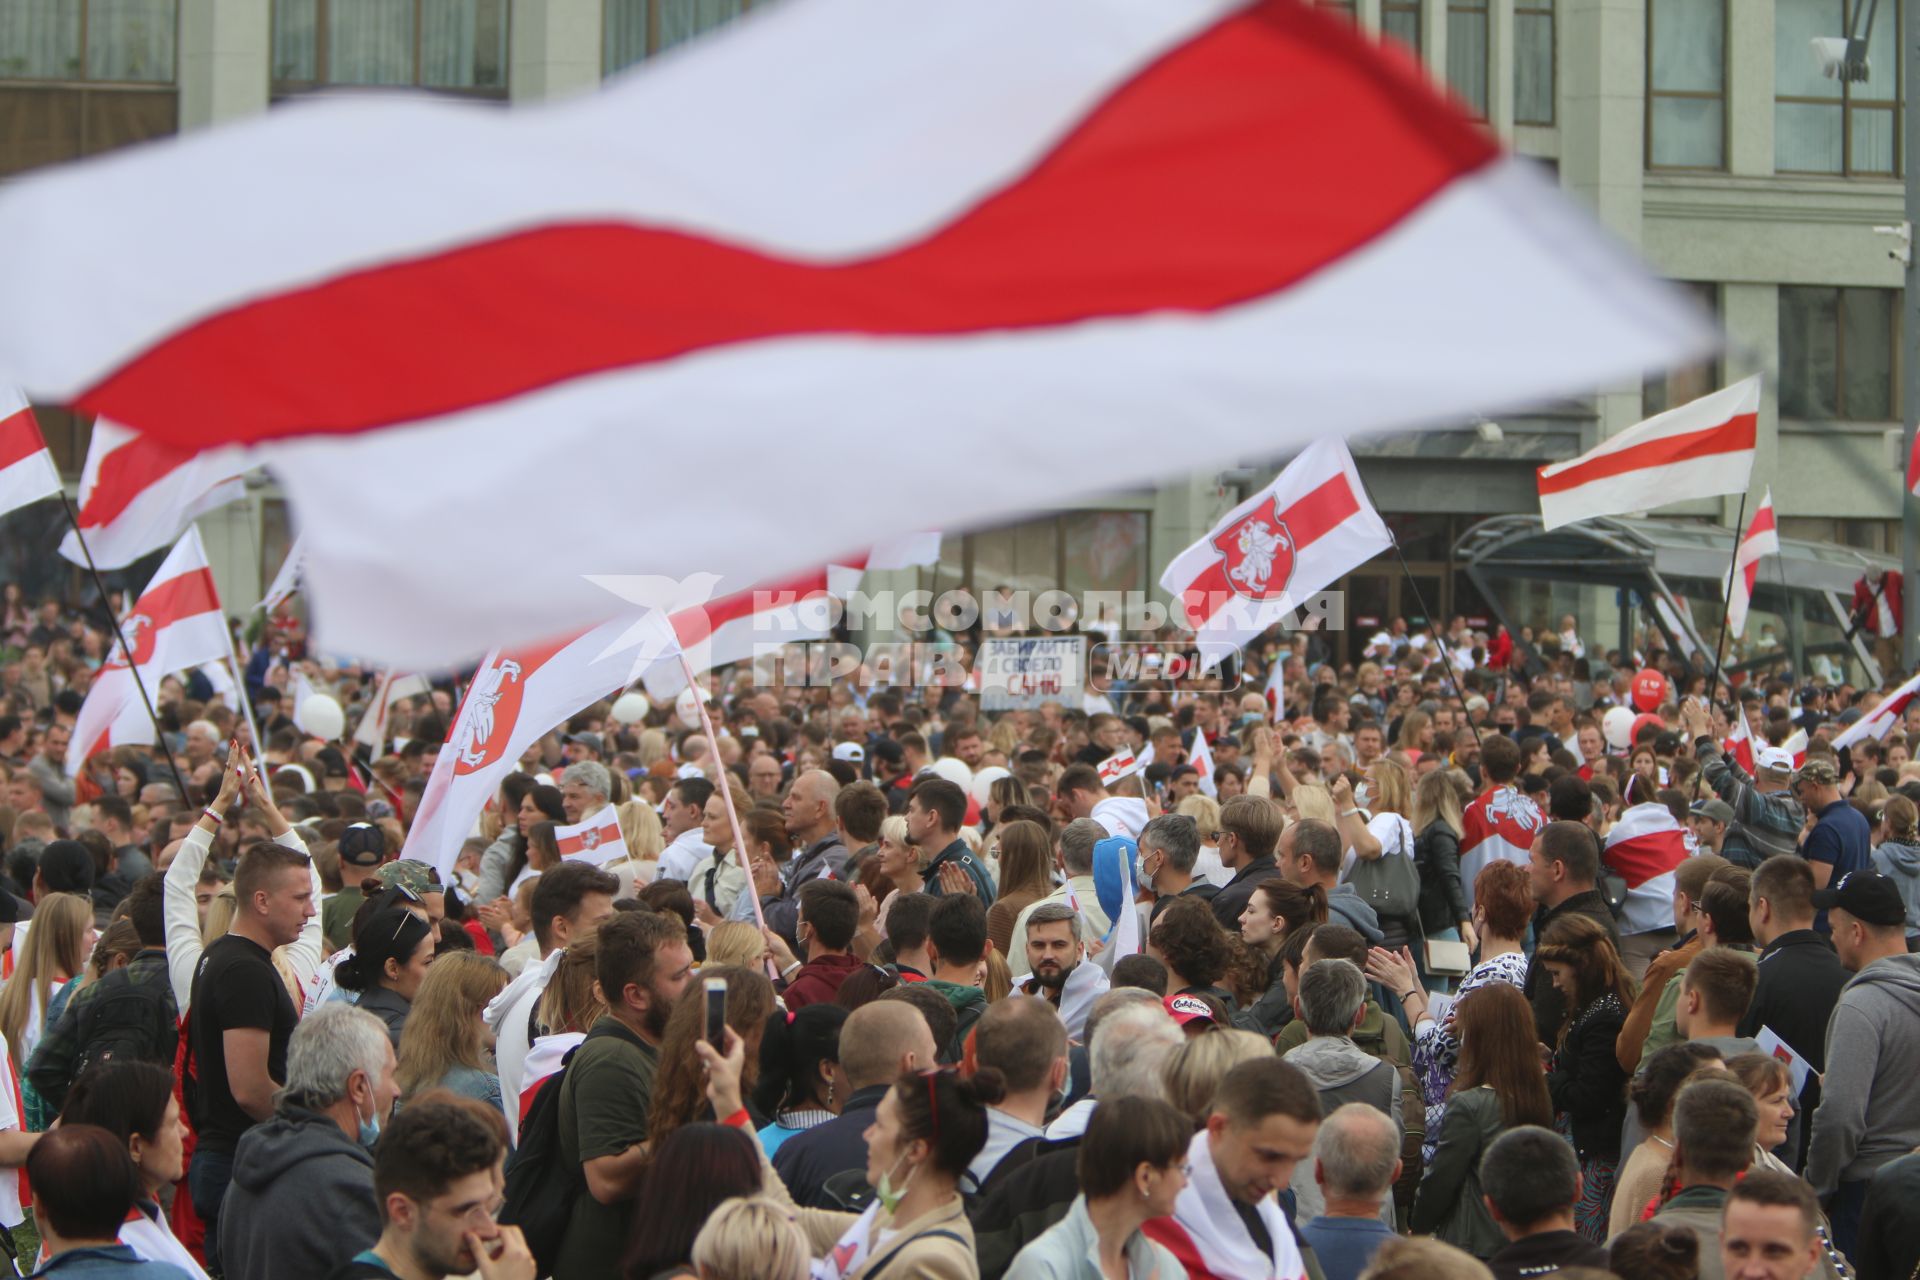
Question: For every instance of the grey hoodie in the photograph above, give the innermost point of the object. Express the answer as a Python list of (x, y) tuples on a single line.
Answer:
[(1355, 912), (1343, 1072), (301, 1202), (1873, 1041), (1901, 864)]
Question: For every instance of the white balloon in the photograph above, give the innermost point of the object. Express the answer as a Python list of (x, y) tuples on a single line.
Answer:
[(321, 716), (687, 707), (1617, 726), (953, 770), (631, 707), (983, 782)]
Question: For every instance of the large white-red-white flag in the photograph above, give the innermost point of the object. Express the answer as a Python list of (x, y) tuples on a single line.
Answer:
[(1643, 848), (1499, 824), (516, 697), (27, 473), (137, 493), (1269, 555), (805, 284), (1702, 449), (749, 624), (1761, 539), (1878, 722), (175, 624)]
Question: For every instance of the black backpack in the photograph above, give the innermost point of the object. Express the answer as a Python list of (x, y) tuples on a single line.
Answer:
[(127, 1023), (542, 1184)]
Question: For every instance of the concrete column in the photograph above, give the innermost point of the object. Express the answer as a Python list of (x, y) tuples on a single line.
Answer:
[(1603, 138), (1368, 11), (1433, 38), (1500, 68), (554, 48), (224, 61), (1750, 87)]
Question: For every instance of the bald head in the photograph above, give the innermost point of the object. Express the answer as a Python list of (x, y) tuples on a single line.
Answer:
[(1357, 1152), (808, 808), (883, 1039)]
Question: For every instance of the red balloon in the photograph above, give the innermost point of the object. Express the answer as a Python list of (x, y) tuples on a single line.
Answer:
[(1642, 721), (1649, 689)]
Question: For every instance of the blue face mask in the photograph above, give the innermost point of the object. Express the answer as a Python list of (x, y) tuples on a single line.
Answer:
[(369, 1129)]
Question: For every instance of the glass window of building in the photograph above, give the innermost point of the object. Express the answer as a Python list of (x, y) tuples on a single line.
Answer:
[(1839, 354), (78, 77), (458, 46), (1686, 84), (1401, 20), (1533, 52), (638, 29), (1468, 29), (1826, 126), (1676, 387)]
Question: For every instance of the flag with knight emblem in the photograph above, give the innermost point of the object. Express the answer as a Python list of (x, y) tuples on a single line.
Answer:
[(595, 839), (1277, 549)]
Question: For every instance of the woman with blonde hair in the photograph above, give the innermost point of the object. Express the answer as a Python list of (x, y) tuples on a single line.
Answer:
[(568, 1008), (736, 942), (640, 826), (55, 954), (652, 747), (751, 1238), (1416, 735), (897, 863), (1205, 812), (1438, 820), (445, 1043), (1194, 1072)]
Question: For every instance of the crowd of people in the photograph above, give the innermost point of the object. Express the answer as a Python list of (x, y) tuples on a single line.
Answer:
[(861, 997)]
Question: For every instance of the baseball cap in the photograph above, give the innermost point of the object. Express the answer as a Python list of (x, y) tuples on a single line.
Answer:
[(410, 874), (1820, 773), (1186, 1008), (851, 752), (1715, 810), (363, 845), (1773, 760), (592, 741), (1865, 895)]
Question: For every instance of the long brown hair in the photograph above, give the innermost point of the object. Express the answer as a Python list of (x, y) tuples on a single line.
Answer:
[(1497, 1048), (1580, 943), (1026, 858), (572, 1001), (443, 1028), (680, 1088)]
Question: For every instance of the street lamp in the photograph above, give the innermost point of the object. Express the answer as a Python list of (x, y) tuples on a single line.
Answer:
[(1845, 59)]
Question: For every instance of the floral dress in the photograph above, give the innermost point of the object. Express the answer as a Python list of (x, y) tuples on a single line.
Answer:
[(1436, 1053)]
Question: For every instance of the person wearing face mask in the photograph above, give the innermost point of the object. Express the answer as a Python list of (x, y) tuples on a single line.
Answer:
[(302, 1201)]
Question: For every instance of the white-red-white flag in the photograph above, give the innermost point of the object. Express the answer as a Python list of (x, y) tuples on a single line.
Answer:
[(516, 696), (1879, 721), (748, 624), (1643, 848), (372, 730), (1277, 549), (332, 285), (175, 624), (1498, 824), (1201, 757), (1121, 764), (1702, 449), (285, 582), (27, 473), (138, 493), (1762, 538), (596, 839)]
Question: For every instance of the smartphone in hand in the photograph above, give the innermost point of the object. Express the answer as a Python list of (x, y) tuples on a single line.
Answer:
[(716, 989)]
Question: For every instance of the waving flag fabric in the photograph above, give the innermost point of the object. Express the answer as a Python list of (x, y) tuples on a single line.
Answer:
[(1643, 848), (1878, 722), (1268, 555), (137, 493), (1051, 228), (1702, 449), (596, 839), (1501, 823), (1761, 539), (27, 473), (175, 624)]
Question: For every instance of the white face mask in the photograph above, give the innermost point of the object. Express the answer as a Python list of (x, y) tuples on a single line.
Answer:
[(1141, 875), (1363, 797)]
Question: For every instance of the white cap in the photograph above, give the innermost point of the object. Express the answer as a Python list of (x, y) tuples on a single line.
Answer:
[(1775, 759), (851, 752)]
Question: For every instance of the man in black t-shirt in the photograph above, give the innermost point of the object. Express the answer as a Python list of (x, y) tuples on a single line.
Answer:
[(242, 1016)]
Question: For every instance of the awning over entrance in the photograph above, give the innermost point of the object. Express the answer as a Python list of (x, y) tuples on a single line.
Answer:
[(1676, 571)]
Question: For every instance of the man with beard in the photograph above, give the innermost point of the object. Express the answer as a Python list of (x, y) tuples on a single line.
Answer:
[(643, 966), (434, 1176), (1054, 951)]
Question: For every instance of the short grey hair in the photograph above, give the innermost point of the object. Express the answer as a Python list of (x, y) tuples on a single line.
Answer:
[(1357, 1147), (1331, 993), (1054, 913), (1130, 1051), (590, 774), (327, 1046), (1177, 836), (1076, 845)]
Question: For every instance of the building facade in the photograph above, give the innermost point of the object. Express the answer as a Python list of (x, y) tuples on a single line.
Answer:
[(1698, 131)]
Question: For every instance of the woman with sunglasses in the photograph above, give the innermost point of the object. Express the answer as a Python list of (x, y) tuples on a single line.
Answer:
[(925, 1133), (391, 953), (1132, 1165)]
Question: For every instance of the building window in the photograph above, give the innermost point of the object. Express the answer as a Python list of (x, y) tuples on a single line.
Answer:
[(1467, 32), (637, 29), (1533, 80), (458, 46), (1839, 354), (1073, 551), (1822, 125), (1345, 8), (78, 77), (1679, 386), (1401, 20), (1686, 84)]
